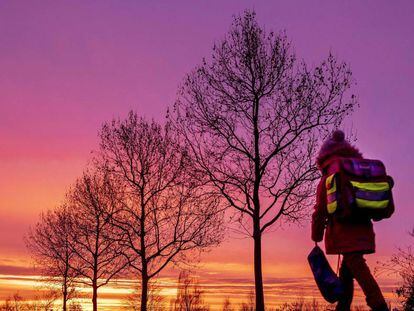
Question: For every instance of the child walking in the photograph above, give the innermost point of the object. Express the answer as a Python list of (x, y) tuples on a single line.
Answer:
[(352, 238)]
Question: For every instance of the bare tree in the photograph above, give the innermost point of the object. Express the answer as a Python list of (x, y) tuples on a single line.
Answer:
[(189, 294), (49, 243), (165, 213), (253, 116), (402, 264), (98, 256)]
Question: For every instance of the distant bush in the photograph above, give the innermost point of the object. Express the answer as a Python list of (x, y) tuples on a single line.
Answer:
[(300, 305), (189, 295), (402, 264), (18, 303)]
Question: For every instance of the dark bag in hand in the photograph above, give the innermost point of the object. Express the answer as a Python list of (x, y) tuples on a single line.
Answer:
[(328, 282)]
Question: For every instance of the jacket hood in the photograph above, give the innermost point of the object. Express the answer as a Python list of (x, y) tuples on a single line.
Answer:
[(336, 145)]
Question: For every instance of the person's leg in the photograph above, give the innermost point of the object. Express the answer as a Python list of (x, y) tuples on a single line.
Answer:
[(355, 262), (344, 304)]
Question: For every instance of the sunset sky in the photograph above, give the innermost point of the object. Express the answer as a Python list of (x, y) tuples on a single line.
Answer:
[(68, 66)]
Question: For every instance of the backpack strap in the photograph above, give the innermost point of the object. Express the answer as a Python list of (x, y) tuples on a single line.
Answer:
[(338, 264)]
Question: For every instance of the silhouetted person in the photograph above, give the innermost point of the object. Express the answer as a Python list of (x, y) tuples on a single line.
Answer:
[(352, 238)]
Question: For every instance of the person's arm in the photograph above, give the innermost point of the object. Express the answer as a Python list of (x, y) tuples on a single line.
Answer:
[(320, 215)]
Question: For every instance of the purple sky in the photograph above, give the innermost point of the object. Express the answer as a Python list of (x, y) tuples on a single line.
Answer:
[(68, 66)]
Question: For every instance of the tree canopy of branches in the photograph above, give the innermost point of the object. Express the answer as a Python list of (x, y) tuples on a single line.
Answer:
[(49, 243), (254, 116), (165, 214), (98, 257)]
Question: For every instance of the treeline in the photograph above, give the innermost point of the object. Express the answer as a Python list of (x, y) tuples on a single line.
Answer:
[(136, 209), (240, 138), (190, 297)]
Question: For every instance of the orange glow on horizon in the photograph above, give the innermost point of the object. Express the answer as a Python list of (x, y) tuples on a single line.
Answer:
[(216, 290)]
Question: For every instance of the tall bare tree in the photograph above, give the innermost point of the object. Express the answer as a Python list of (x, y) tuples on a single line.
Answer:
[(166, 213), (98, 256), (253, 116), (49, 243)]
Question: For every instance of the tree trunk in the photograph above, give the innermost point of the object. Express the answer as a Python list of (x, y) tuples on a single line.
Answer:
[(95, 295), (95, 266), (144, 292), (95, 273), (257, 234), (144, 272), (258, 278), (65, 297)]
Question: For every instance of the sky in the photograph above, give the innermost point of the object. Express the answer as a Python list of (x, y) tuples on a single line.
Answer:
[(68, 66)]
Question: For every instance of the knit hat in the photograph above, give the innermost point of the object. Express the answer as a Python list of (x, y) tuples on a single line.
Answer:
[(336, 145)]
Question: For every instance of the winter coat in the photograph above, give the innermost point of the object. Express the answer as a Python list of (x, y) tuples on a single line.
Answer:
[(340, 237)]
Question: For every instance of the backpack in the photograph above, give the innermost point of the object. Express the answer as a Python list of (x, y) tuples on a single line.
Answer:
[(358, 188)]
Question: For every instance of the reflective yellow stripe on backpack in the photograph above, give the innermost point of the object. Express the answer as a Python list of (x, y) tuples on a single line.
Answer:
[(372, 204), (330, 184), (373, 195), (371, 186)]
